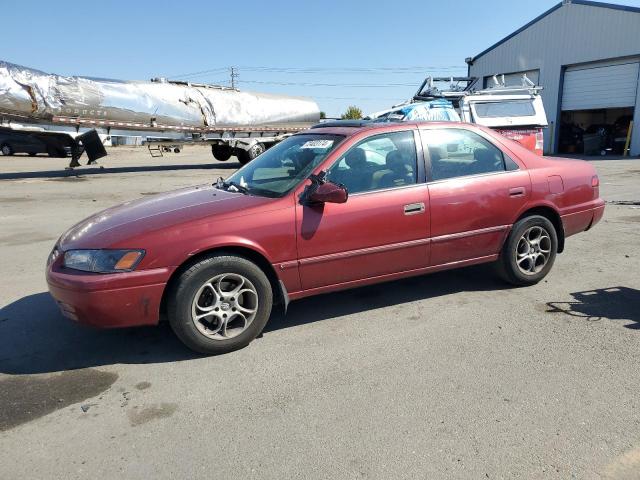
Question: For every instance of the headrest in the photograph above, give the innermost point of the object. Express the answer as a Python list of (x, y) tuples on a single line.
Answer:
[(436, 153), (356, 158), (484, 155), (394, 159)]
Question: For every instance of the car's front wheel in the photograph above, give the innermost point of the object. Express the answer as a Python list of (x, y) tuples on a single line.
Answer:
[(220, 304), (529, 252)]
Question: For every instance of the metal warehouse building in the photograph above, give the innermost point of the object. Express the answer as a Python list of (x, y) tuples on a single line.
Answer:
[(586, 55)]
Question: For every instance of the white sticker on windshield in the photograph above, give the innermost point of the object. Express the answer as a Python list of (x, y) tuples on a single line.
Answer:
[(317, 144)]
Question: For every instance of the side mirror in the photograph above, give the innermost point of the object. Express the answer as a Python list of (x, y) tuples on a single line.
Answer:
[(327, 192)]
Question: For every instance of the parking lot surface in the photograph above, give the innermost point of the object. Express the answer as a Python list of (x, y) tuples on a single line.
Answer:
[(453, 375)]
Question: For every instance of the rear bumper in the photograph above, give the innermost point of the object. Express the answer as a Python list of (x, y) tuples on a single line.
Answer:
[(598, 213), (577, 222), (111, 300)]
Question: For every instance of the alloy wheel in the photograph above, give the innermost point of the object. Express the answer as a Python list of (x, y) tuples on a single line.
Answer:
[(533, 250), (224, 306)]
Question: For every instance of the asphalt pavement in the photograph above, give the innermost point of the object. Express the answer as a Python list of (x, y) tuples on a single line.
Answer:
[(452, 375)]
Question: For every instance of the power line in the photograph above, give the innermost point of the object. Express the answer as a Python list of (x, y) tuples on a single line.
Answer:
[(346, 85), (201, 72), (220, 82), (386, 99), (328, 70), (416, 69)]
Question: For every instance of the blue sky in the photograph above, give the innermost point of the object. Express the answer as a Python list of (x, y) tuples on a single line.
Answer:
[(368, 53)]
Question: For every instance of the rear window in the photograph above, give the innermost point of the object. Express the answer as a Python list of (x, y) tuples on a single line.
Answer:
[(514, 108)]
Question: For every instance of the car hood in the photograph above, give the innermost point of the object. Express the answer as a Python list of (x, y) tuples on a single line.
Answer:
[(111, 227)]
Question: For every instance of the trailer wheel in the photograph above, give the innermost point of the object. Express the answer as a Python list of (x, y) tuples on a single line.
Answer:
[(245, 156), (221, 153), (176, 150)]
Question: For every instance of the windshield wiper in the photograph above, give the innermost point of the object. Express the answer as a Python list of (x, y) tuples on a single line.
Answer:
[(237, 187), (231, 186)]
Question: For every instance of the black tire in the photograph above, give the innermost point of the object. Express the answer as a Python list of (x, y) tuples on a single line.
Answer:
[(32, 154), (221, 153), (182, 295), (6, 149), (176, 150), (508, 264), (242, 156), (245, 156)]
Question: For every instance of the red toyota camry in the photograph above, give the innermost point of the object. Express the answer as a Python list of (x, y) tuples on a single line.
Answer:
[(337, 206)]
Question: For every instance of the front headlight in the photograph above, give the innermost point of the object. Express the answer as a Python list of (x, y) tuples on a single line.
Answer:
[(103, 261)]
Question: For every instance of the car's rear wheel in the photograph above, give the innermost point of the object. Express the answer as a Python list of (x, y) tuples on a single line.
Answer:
[(529, 252), (6, 149), (220, 304)]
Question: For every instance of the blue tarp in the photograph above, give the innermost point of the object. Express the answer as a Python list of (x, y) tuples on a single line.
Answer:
[(439, 110)]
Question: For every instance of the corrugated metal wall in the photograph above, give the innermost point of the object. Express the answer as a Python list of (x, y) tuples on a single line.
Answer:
[(570, 35)]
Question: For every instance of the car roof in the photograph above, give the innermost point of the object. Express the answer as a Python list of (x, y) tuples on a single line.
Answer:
[(343, 123), (352, 127)]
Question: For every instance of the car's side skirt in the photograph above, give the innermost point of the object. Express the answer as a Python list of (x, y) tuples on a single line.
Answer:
[(501, 229), (391, 276)]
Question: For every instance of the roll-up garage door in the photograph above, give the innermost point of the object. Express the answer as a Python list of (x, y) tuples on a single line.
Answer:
[(602, 86)]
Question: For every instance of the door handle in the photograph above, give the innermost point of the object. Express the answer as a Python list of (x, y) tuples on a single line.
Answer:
[(517, 192), (413, 208)]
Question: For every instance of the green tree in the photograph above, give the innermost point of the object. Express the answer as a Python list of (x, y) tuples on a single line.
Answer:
[(352, 113), (323, 115)]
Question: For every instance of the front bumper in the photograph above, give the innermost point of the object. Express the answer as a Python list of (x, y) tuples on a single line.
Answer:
[(108, 300)]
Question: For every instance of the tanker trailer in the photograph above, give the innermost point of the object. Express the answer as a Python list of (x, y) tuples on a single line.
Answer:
[(232, 121)]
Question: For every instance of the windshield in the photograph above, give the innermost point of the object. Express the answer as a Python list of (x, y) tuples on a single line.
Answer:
[(285, 165)]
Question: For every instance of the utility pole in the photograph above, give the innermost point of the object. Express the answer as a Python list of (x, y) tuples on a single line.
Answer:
[(234, 75)]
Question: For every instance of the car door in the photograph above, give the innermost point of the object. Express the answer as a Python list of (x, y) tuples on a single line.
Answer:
[(382, 228), (20, 143), (475, 192)]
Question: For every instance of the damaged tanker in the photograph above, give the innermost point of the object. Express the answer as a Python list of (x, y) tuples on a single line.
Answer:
[(234, 122)]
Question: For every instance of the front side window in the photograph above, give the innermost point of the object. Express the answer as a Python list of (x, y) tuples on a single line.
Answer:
[(282, 167), (458, 152), (382, 161)]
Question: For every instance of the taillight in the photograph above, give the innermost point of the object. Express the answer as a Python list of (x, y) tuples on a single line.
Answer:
[(539, 141), (595, 181)]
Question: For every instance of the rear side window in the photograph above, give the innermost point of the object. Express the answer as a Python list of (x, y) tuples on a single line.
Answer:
[(458, 153), (514, 108)]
